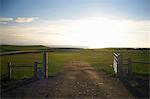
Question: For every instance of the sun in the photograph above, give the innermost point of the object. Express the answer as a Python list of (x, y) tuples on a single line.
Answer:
[(95, 32)]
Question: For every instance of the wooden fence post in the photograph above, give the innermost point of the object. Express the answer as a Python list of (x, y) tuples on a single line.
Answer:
[(119, 67), (129, 67), (115, 63), (9, 70), (35, 69), (45, 64)]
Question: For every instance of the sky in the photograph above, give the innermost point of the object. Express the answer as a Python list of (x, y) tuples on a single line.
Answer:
[(76, 23)]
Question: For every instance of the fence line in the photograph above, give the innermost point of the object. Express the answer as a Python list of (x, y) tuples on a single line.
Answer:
[(140, 62), (10, 66), (20, 66), (44, 69), (118, 65)]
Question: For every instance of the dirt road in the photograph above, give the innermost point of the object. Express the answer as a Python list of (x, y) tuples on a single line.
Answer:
[(78, 80)]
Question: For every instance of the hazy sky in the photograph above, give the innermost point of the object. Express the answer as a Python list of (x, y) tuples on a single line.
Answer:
[(88, 23)]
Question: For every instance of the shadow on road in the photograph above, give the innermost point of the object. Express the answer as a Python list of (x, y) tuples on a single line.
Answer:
[(7, 85), (138, 86)]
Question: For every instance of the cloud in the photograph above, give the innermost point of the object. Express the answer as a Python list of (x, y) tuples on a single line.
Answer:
[(92, 32), (18, 20), (5, 20), (47, 33), (25, 19)]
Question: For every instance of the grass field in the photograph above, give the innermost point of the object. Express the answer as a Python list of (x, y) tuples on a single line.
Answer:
[(101, 59)]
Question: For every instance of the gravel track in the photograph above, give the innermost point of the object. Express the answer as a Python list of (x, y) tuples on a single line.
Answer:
[(78, 80)]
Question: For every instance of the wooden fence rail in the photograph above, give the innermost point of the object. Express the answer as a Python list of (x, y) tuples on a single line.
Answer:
[(44, 69), (10, 66), (140, 62)]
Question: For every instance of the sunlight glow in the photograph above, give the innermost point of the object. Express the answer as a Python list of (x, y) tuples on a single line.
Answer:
[(97, 32)]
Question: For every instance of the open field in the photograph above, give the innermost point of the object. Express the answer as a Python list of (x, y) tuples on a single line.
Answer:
[(100, 59), (8, 48)]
